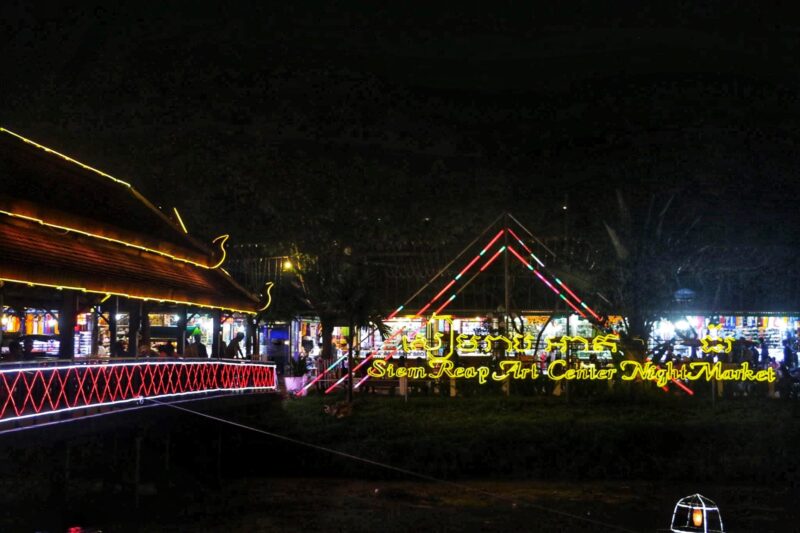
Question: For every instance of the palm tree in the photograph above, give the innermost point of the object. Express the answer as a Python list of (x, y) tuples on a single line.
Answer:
[(359, 308), (650, 245), (340, 290)]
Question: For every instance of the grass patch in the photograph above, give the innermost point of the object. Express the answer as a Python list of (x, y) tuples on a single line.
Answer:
[(546, 438)]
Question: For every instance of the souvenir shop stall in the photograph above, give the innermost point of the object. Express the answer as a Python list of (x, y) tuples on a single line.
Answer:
[(772, 329)]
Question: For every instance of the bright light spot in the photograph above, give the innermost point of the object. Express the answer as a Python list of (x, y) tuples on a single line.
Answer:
[(119, 316), (666, 330), (52, 322), (564, 207), (4, 321), (287, 265), (681, 325), (697, 517), (176, 317)]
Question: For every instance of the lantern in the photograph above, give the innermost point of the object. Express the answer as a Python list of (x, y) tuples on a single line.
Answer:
[(696, 513), (697, 517)]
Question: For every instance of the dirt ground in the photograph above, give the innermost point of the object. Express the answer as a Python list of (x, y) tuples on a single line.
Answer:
[(359, 505)]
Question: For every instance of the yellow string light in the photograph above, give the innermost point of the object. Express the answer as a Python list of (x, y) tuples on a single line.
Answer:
[(67, 158), (125, 295), (180, 220), (124, 243)]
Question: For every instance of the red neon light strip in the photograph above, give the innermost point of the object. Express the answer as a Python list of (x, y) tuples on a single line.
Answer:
[(365, 361), (426, 306), (546, 282), (474, 260), (520, 241), (320, 376), (443, 290), (572, 306), (567, 289), (499, 233), (678, 383), (562, 284), (528, 265), (445, 304), (490, 261), (29, 391), (524, 261)]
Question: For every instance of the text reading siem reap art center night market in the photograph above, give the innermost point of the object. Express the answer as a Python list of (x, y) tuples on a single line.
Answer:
[(440, 365)]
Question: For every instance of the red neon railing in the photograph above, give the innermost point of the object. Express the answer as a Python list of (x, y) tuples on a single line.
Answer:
[(29, 390)]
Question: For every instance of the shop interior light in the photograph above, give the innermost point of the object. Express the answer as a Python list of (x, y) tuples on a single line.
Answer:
[(287, 265), (681, 325)]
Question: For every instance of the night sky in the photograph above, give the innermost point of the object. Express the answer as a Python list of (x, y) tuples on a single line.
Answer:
[(264, 117)]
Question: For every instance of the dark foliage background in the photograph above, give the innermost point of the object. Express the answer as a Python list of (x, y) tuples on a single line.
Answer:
[(374, 124)]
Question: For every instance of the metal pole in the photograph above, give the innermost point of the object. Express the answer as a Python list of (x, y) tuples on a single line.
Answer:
[(507, 300), (2, 312), (448, 265)]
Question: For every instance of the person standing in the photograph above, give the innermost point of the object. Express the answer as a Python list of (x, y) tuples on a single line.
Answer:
[(234, 350), (200, 349), (788, 355)]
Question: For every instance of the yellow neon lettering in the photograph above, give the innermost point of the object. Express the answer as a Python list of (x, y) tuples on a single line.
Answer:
[(268, 288), (467, 343), (553, 366), (491, 339), (608, 342), (378, 368)]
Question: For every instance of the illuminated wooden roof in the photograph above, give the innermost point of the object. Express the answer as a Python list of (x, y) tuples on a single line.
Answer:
[(64, 224)]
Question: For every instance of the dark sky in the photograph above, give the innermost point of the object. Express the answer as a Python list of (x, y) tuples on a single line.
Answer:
[(249, 118)]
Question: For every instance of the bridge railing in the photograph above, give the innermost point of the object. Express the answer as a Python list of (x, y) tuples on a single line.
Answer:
[(34, 389)]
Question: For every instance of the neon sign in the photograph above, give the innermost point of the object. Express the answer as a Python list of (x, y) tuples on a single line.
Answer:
[(559, 370), (711, 343), (439, 351), (433, 342)]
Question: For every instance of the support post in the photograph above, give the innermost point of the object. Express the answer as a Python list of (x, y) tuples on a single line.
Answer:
[(67, 318), (256, 343), (180, 338), (95, 325), (2, 312), (134, 321), (506, 280), (248, 337), (113, 310), (216, 334), (146, 326), (507, 295)]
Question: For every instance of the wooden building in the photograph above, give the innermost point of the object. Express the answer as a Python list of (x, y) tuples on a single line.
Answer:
[(84, 250)]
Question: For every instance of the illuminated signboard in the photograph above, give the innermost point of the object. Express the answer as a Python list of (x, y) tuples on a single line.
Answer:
[(440, 351)]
